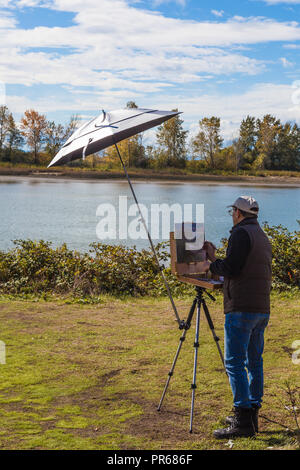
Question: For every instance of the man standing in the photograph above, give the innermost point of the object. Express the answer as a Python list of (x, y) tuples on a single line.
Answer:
[(247, 284)]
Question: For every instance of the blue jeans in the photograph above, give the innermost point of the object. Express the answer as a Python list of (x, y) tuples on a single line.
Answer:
[(244, 345)]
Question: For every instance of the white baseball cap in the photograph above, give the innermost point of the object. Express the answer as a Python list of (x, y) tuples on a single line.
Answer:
[(247, 204)]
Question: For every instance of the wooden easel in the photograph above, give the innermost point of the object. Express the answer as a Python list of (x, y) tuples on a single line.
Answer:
[(192, 273)]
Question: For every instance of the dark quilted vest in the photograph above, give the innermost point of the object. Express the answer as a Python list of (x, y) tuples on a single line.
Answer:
[(250, 290)]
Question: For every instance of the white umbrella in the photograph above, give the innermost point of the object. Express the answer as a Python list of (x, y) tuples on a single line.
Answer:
[(109, 129)]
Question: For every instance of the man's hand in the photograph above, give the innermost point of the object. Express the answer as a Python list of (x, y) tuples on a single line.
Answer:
[(210, 250), (205, 266)]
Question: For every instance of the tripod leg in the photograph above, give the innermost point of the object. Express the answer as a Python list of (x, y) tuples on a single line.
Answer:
[(172, 370), (212, 328), (188, 322), (196, 345)]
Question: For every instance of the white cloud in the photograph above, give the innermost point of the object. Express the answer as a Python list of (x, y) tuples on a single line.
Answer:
[(2, 93), (232, 108), (275, 2), (218, 13), (7, 21), (291, 46), (124, 53), (159, 2), (33, 3), (50, 103), (259, 100), (147, 73), (132, 44), (286, 63), (127, 26)]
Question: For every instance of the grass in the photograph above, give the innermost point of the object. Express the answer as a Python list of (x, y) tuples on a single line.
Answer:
[(91, 376)]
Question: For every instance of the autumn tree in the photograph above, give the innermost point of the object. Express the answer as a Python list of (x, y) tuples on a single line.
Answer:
[(132, 151), (33, 128), (268, 130), (247, 141), (238, 153), (248, 133), (171, 139), (57, 134), (131, 105), (287, 155), (208, 142), (54, 138), (4, 128), (15, 140), (72, 125)]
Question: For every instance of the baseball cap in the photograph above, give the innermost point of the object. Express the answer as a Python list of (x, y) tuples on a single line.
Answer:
[(247, 204)]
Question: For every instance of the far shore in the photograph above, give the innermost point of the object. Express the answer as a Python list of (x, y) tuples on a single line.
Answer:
[(152, 176)]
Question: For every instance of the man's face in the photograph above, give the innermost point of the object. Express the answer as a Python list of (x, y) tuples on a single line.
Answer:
[(235, 216), (235, 213)]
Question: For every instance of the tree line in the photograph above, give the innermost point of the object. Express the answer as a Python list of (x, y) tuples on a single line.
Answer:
[(262, 144)]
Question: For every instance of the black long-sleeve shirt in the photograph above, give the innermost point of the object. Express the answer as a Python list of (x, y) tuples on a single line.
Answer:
[(239, 246)]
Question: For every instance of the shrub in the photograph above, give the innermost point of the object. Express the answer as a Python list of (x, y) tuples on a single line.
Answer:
[(35, 267), (286, 256)]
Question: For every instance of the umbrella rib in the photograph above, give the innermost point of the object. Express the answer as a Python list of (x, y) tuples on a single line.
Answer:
[(110, 125), (150, 240)]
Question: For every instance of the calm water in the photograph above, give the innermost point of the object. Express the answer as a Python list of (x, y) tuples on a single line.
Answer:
[(65, 210)]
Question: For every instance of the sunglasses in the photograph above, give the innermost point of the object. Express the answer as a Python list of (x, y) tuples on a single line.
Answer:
[(231, 210)]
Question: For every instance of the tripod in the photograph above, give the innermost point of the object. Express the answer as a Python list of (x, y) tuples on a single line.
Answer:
[(198, 300)]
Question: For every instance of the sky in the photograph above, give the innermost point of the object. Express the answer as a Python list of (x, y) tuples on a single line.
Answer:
[(207, 58)]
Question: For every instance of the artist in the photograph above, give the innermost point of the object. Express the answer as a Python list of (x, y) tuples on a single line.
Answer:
[(247, 284)]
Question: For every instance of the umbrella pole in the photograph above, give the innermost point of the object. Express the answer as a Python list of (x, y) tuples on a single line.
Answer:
[(180, 323)]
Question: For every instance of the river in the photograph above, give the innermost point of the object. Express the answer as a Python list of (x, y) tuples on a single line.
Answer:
[(64, 210)]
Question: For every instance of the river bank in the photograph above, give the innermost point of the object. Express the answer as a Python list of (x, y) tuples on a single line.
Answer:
[(284, 180)]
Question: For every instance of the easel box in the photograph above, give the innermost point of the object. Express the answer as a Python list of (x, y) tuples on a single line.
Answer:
[(191, 273)]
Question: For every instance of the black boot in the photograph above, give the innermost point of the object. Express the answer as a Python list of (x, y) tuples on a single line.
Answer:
[(255, 410), (241, 425)]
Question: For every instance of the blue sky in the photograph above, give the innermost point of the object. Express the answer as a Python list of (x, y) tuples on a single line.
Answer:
[(228, 59)]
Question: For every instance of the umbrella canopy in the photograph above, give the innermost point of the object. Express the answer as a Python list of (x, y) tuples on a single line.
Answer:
[(108, 129)]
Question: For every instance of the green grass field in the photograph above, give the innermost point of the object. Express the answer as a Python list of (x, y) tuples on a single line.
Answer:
[(91, 376)]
